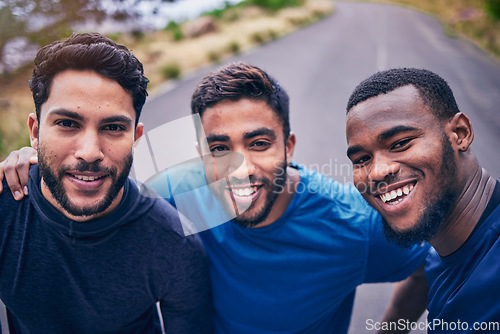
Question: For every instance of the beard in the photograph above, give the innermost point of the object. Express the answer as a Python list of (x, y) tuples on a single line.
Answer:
[(53, 179), (436, 210), (275, 187)]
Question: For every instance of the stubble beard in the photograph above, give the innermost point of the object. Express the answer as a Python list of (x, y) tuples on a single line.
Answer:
[(275, 188), (436, 210)]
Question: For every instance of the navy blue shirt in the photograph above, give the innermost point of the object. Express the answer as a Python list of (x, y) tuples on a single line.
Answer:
[(101, 276), (465, 286)]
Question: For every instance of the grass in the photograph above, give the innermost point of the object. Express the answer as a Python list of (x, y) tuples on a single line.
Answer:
[(476, 20)]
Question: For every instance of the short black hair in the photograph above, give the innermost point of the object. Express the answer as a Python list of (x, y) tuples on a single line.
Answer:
[(89, 51), (433, 89), (236, 81)]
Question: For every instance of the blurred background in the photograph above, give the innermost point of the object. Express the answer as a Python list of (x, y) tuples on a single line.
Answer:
[(176, 37), (319, 50)]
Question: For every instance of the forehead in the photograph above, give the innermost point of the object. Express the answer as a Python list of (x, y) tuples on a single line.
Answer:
[(88, 94), (234, 118), (402, 106)]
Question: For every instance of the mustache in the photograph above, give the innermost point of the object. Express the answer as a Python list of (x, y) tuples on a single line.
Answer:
[(83, 166)]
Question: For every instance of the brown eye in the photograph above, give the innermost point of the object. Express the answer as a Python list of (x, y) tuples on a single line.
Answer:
[(361, 161), (402, 143), (114, 128), (219, 150), (261, 145), (65, 123)]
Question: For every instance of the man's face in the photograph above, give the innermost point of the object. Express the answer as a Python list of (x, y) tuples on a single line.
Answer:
[(84, 139), (247, 148), (404, 164)]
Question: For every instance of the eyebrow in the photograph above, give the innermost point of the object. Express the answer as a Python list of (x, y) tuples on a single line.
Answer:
[(66, 113), (77, 116), (353, 150), (117, 119), (394, 131), (247, 135), (212, 138), (260, 132)]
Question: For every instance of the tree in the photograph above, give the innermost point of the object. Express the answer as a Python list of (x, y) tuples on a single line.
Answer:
[(42, 21)]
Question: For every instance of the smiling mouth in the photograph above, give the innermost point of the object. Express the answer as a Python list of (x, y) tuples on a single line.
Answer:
[(395, 196), (87, 178), (244, 192)]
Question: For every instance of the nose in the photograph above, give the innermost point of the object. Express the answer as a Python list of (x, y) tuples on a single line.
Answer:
[(244, 166), (89, 147), (382, 168)]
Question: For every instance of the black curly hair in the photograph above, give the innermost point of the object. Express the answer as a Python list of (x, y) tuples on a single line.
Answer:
[(433, 89)]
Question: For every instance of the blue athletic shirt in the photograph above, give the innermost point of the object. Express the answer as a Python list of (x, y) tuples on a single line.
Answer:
[(299, 274), (464, 295)]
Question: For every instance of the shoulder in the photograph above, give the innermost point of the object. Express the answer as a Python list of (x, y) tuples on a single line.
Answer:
[(160, 220), (343, 199)]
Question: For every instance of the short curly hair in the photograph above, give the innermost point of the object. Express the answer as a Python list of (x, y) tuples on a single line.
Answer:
[(433, 89), (88, 51)]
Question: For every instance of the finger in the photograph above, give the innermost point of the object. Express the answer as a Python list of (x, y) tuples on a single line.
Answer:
[(2, 164), (12, 177), (23, 166)]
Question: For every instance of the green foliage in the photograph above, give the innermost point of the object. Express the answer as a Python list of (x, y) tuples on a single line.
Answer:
[(171, 71), (171, 25), (177, 34), (214, 56), (258, 37), (492, 7), (217, 13), (275, 5), (58, 17), (234, 47), (137, 34), (175, 29)]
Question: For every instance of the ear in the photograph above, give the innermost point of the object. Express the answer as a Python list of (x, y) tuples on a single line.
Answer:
[(290, 146), (139, 130), (462, 134), (34, 129)]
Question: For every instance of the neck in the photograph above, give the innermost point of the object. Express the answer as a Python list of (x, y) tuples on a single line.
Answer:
[(469, 207), (284, 198)]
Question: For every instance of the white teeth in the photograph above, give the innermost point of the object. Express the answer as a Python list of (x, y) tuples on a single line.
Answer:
[(244, 192), (395, 194), (86, 178)]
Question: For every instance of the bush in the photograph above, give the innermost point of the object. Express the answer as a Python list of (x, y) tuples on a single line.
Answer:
[(175, 29), (492, 7), (275, 4), (138, 34), (258, 37), (234, 47), (177, 34), (214, 56), (171, 71)]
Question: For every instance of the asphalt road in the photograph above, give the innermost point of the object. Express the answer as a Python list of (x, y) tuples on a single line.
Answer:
[(321, 64)]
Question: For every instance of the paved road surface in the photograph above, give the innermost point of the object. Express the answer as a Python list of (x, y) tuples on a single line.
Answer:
[(321, 64)]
